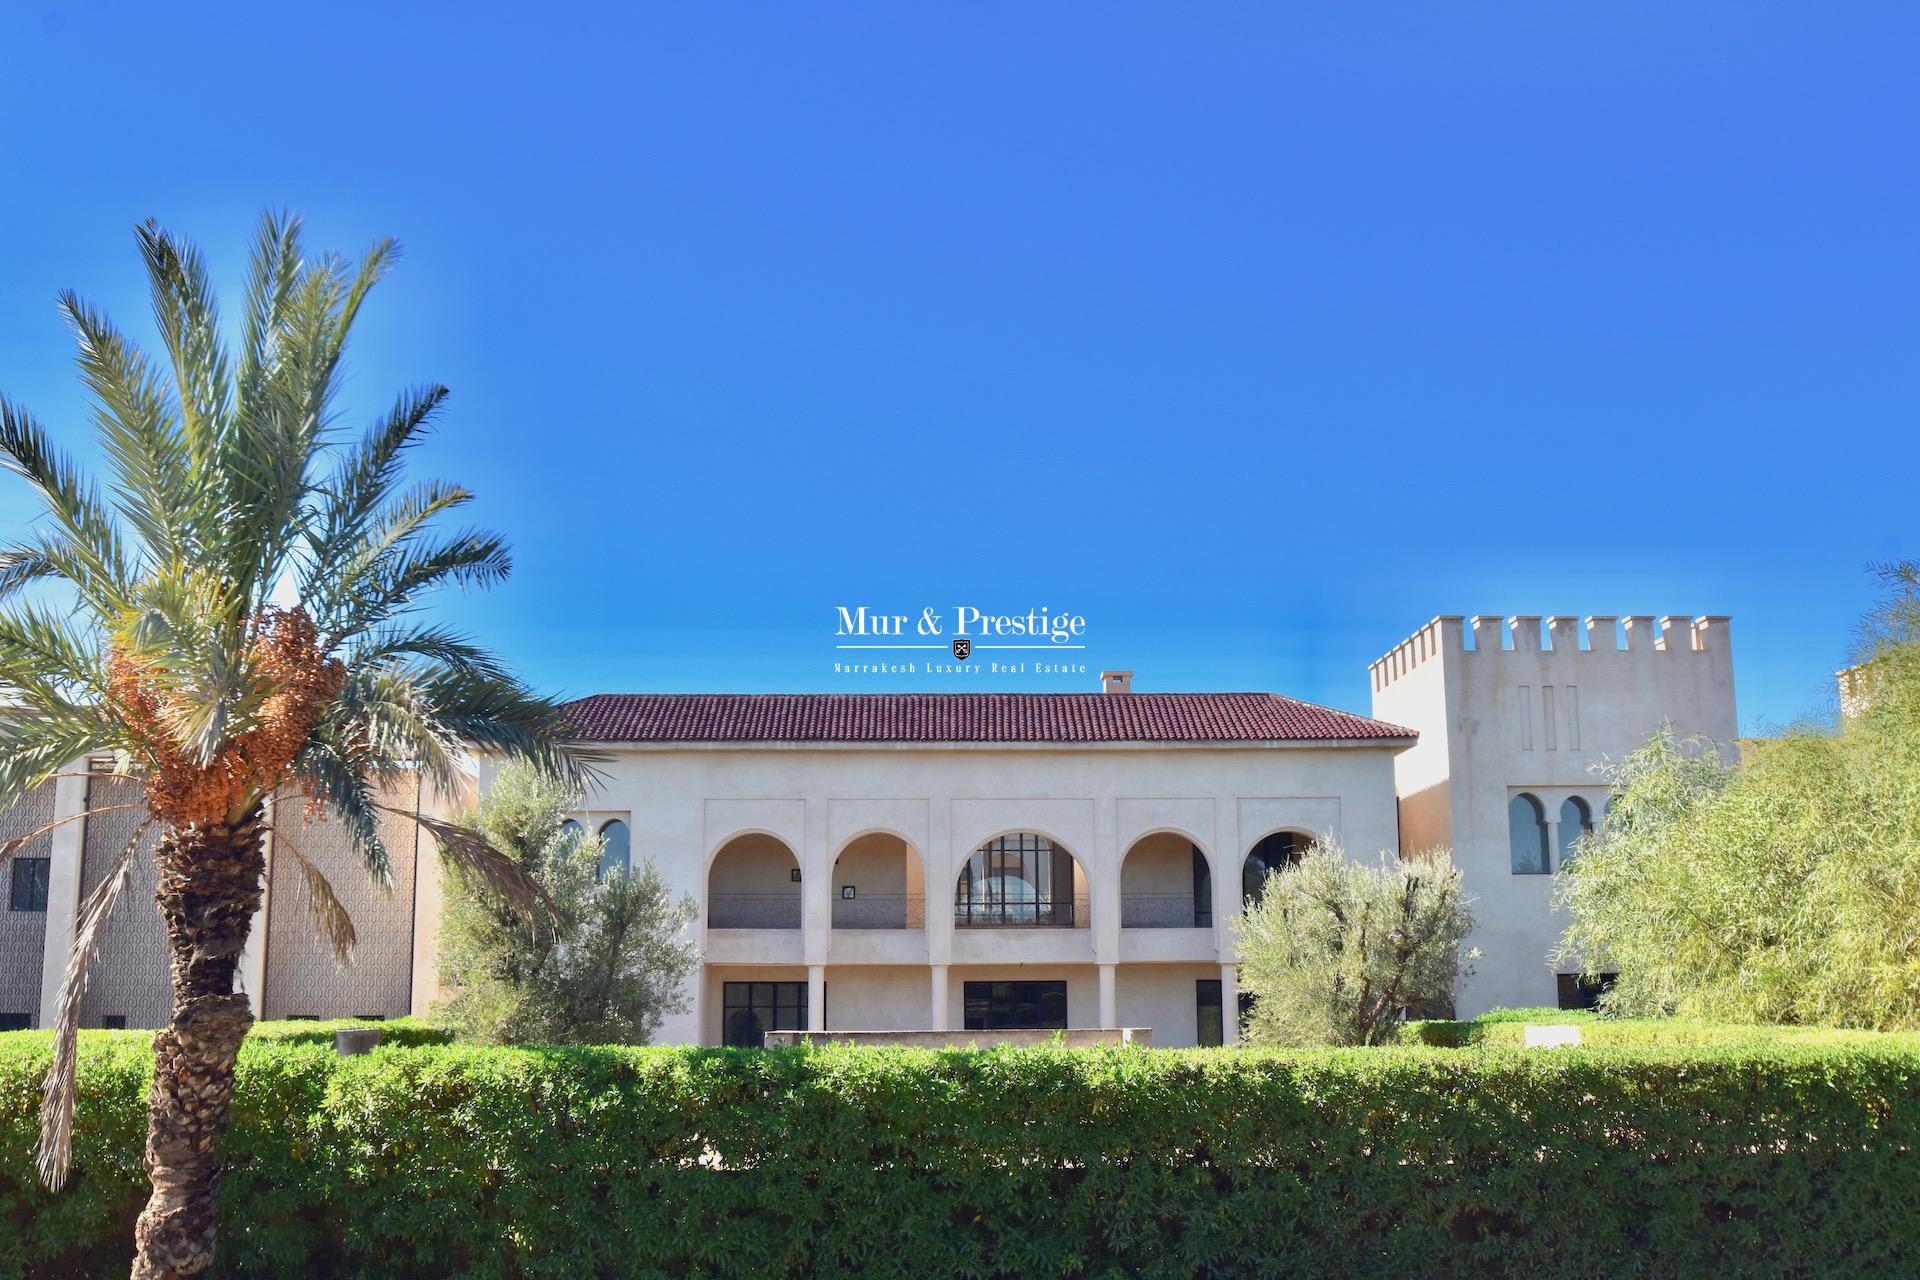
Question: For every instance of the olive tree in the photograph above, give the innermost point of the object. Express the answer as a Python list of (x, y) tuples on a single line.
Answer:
[(1333, 951), (604, 968)]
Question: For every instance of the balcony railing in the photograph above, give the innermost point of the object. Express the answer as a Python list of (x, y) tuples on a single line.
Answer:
[(1060, 913), (1164, 911), (753, 911), (880, 911)]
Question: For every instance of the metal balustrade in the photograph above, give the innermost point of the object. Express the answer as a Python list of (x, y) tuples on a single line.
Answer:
[(753, 911), (880, 911), (1164, 911), (1044, 912)]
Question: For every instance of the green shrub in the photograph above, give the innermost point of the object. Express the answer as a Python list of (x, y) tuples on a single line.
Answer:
[(1777, 1159), (408, 1033), (1507, 1027)]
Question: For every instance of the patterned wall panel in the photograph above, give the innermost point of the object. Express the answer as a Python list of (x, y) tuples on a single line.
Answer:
[(22, 933), (128, 978), (302, 978)]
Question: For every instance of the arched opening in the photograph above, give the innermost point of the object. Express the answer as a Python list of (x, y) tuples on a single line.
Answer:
[(878, 883), (1165, 883), (616, 851), (1527, 835), (754, 883), (1274, 853), (1022, 878), (1576, 821)]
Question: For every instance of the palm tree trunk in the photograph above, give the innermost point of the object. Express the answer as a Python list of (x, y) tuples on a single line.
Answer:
[(209, 890)]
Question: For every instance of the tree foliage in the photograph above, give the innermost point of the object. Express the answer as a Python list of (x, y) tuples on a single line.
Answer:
[(1334, 950), (603, 969), (1784, 890), (230, 608)]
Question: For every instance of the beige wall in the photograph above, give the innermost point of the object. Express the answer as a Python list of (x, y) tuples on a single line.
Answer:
[(1163, 997), (1525, 712), (826, 804), (23, 934)]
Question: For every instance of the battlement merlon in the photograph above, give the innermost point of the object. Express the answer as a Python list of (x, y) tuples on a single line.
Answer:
[(1599, 633)]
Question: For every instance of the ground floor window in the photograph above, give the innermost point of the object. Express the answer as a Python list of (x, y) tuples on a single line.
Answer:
[(29, 888), (754, 1008), (1577, 992), (15, 1021), (1206, 1008), (993, 1006)]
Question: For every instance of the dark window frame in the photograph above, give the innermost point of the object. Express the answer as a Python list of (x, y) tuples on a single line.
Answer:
[(990, 1005), (1209, 1013), (773, 1006), (28, 890)]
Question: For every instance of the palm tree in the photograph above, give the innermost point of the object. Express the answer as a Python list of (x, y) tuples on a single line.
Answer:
[(236, 614)]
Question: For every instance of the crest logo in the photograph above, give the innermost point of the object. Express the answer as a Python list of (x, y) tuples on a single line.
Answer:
[(962, 648)]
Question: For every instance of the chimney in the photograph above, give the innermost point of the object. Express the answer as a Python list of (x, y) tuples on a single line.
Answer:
[(1116, 682)]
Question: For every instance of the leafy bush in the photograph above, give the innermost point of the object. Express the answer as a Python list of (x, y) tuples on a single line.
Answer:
[(604, 967), (1781, 1159), (406, 1032), (1333, 951), (1500, 1028), (1782, 891)]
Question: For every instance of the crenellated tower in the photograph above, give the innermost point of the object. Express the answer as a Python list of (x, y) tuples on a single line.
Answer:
[(1514, 714)]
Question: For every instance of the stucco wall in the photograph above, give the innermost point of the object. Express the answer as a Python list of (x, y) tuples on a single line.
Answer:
[(1535, 708), (686, 802), (1163, 997), (302, 977), (23, 934)]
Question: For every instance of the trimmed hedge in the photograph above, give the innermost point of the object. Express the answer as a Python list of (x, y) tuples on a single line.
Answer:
[(446, 1160), (1509, 1027)]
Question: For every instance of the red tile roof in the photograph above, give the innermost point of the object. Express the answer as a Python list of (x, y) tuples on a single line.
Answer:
[(967, 717)]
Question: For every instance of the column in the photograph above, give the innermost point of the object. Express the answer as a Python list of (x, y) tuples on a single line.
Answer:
[(66, 844), (1109, 1000), (1230, 1004), (253, 956), (938, 1018), (1553, 835), (816, 997)]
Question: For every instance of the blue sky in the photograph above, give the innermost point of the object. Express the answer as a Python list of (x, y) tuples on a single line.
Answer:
[(1255, 334)]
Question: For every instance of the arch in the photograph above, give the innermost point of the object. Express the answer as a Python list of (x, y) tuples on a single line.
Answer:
[(753, 882), (1021, 878), (1276, 851), (1576, 822), (1527, 835), (616, 854), (879, 882), (572, 829), (1166, 882)]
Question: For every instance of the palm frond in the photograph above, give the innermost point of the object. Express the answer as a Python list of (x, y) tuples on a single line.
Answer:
[(153, 487), (344, 782), (390, 709), (273, 272), (440, 646), (57, 1096), (14, 844), (189, 320), (353, 589), (469, 852), (37, 742), (504, 717), (93, 540), (360, 484), (325, 912)]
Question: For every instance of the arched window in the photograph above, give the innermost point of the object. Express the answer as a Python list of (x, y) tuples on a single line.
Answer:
[(1527, 835), (1023, 878), (572, 830), (1576, 820), (617, 855), (1276, 852)]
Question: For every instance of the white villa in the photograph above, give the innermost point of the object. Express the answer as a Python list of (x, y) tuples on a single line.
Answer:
[(953, 862)]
